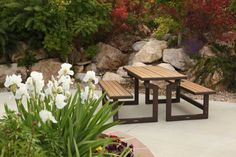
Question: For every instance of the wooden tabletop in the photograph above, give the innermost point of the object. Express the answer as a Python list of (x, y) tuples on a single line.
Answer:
[(153, 73)]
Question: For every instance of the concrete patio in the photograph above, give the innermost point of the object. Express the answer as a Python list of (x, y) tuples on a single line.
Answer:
[(213, 137)]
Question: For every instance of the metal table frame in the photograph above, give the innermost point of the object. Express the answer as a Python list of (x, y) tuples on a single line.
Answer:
[(171, 87)]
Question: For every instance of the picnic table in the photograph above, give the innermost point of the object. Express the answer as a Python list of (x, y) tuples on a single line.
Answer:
[(176, 80)]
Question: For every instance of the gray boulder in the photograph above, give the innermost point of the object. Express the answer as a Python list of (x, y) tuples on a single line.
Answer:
[(177, 58)]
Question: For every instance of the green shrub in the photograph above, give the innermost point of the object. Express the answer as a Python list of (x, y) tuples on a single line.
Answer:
[(91, 51), (53, 24), (224, 63), (166, 25)]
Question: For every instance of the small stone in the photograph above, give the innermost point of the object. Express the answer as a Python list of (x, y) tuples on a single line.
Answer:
[(122, 72), (91, 67), (139, 64), (206, 52), (167, 66)]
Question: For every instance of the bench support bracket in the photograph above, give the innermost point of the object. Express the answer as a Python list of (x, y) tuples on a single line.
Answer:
[(153, 118), (204, 107)]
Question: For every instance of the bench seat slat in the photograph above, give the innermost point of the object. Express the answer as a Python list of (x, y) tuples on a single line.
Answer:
[(114, 90), (195, 88)]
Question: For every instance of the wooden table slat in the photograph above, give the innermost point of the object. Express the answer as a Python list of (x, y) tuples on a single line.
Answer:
[(137, 72), (148, 72), (165, 72), (154, 73)]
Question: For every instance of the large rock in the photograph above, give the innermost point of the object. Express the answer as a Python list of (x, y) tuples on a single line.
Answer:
[(167, 66), (177, 58), (151, 51), (206, 52), (48, 67), (110, 58), (114, 76), (139, 45), (9, 70)]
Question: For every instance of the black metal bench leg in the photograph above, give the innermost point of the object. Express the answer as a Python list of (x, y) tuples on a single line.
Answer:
[(147, 92), (155, 102), (169, 89), (116, 116), (104, 98), (205, 105), (177, 83)]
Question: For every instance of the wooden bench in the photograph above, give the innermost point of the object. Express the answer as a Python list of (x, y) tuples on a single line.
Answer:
[(115, 91), (192, 88)]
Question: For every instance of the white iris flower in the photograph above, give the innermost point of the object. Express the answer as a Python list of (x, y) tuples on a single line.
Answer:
[(90, 76), (46, 115), (60, 101), (21, 92), (65, 70), (13, 80)]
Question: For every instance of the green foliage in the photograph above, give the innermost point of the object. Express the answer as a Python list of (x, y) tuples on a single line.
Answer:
[(50, 121), (16, 139), (166, 25), (28, 60), (223, 63), (55, 24), (233, 6), (75, 134), (91, 51)]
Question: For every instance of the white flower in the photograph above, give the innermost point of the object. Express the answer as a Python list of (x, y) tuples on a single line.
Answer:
[(60, 101), (35, 82), (65, 82), (22, 91), (67, 94), (46, 115), (85, 93), (88, 93), (42, 96), (65, 70), (13, 80), (49, 90), (90, 76), (36, 75)]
